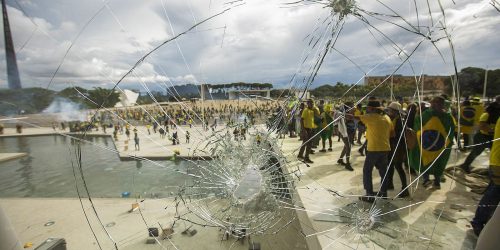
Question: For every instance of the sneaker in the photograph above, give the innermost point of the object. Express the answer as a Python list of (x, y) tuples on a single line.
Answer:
[(330, 149), (323, 151), (404, 194), (341, 162), (436, 187), (361, 152), (300, 157), (427, 183), (307, 160), (465, 168), (477, 229), (382, 195), (312, 152), (367, 198), (348, 167)]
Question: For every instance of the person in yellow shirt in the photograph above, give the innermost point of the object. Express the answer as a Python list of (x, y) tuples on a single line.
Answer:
[(307, 130), (478, 105), (489, 201), (467, 114), (479, 109), (483, 138), (378, 132)]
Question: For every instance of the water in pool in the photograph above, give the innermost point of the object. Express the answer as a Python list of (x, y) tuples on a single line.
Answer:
[(47, 170)]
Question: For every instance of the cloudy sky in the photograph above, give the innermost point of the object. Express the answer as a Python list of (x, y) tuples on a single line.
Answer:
[(96, 42)]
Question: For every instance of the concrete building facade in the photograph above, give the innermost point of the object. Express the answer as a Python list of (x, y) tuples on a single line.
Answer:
[(428, 84)]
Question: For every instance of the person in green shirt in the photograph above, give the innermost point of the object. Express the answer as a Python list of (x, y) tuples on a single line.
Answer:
[(327, 127)]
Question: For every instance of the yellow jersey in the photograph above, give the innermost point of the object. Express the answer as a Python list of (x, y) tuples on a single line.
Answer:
[(478, 106), (378, 131), (495, 156), (484, 118), (308, 117), (467, 115)]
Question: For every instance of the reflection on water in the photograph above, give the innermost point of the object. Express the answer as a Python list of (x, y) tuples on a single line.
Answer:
[(26, 169), (47, 170)]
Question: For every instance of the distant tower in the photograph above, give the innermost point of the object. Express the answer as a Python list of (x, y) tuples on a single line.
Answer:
[(10, 54)]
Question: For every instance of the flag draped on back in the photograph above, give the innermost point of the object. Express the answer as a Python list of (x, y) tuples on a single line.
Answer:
[(467, 115), (435, 131)]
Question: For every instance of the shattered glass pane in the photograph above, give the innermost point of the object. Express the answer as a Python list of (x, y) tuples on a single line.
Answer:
[(195, 171)]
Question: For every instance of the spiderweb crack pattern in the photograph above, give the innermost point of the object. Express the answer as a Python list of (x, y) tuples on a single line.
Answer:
[(251, 187)]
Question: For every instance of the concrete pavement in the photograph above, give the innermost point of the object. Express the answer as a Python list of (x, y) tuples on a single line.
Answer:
[(327, 208)]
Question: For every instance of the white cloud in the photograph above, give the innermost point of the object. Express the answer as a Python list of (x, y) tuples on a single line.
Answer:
[(262, 41)]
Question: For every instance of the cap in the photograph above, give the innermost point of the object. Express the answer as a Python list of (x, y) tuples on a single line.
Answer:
[(395, 106)]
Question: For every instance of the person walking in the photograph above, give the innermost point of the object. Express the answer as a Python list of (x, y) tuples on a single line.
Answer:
[(155, 126), (340, 117), (398, 149), (489, 202), (483, 138), (136, 142), (162, 132), (360, 125), (307, 130), (467, 114), (298, 118), (327, 128), (434, 131), (127, 132), (378, 132)]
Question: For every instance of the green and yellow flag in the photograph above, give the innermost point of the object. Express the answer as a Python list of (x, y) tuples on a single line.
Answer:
[(467, 116), (434, 137)]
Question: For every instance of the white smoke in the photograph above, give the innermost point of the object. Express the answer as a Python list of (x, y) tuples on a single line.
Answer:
[(66, 110)]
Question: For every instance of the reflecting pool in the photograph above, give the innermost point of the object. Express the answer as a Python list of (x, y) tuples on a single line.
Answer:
[(47, 170)]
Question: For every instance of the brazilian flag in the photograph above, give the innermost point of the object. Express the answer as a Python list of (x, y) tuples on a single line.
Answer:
[(467, 115), (435, 131)]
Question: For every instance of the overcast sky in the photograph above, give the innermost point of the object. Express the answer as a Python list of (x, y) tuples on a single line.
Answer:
[(259, 41)]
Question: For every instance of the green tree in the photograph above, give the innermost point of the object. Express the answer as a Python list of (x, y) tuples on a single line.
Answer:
[(471, 80), (74, 94), (27, 100), (102, 97)]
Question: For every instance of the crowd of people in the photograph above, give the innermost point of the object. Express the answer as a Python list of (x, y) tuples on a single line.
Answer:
[(399, 136), (418, 135), (164, 120)]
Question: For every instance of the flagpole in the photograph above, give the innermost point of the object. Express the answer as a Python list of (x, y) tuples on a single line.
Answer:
[(485, 82), (392, 85)]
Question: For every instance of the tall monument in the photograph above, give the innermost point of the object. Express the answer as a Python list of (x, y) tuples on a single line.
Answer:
[(10, 54)]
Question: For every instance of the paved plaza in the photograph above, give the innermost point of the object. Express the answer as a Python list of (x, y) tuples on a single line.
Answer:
[(326, 201)]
